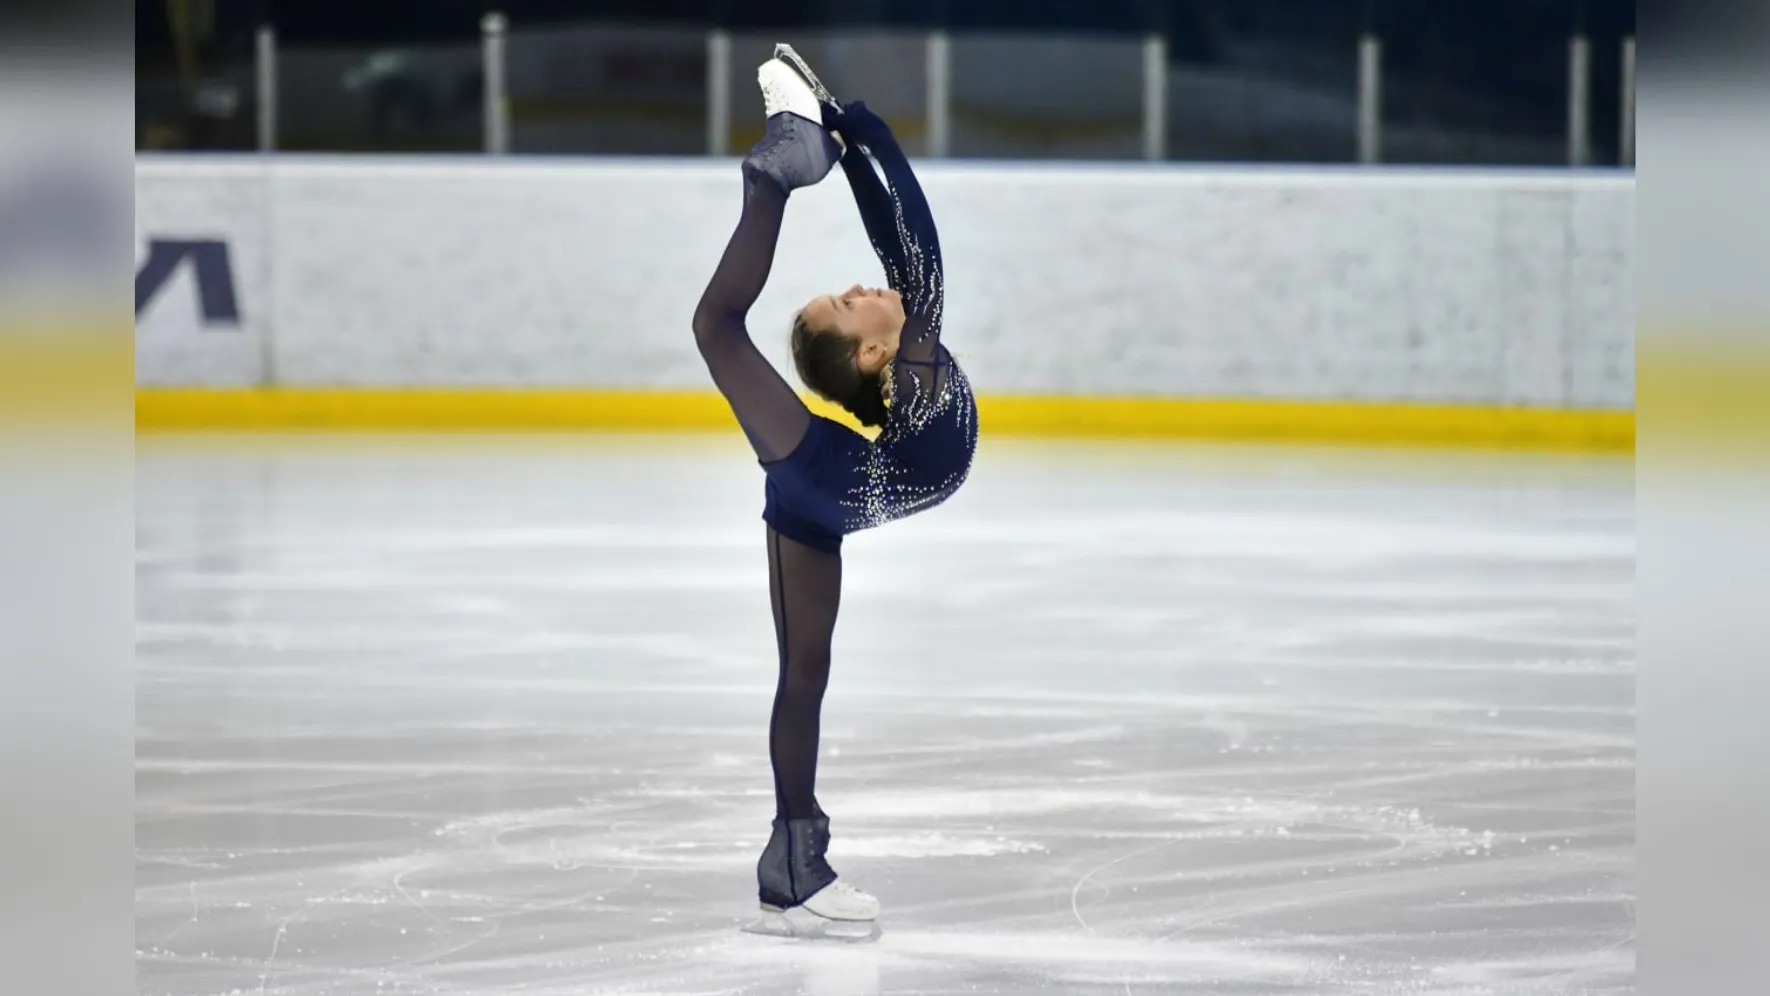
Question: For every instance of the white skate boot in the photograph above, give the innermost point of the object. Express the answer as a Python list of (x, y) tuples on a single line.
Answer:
[(801, 895), (838, 912), (789, 87), (796, 149), (841, 901), (785, 53)]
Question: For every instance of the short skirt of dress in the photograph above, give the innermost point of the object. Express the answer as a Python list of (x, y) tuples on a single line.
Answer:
[(811, 494)]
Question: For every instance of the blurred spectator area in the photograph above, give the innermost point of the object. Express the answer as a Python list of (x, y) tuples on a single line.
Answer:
[(1464, 81)]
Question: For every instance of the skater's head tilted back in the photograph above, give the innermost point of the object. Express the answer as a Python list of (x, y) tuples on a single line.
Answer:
[(843, 344)]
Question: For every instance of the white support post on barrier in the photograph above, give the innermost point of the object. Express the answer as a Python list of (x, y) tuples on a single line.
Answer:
[(267, 88), (1579, 101), (1625, 150), (497, 106), (1370, 99), (1155, 97), (939, 94), (718, 92)]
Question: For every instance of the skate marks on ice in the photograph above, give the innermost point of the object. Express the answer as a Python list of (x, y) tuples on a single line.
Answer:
[(1092, 890), (800, 925), (436, 723)]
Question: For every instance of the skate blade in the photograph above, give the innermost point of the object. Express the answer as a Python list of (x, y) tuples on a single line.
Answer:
[(785, 53), (800, 924), (818, 94)]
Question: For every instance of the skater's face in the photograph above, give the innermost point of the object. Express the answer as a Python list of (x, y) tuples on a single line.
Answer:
[(870, 316)]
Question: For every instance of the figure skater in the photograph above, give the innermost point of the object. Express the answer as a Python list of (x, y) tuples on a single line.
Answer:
[(878, 354)]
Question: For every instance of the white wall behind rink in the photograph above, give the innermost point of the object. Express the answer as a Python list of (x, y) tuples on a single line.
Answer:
[(1440, 286)]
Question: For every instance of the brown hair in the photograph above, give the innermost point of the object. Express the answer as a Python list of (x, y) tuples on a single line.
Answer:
[(828, 363)]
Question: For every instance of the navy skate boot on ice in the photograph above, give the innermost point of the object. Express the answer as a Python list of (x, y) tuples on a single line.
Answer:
[(802, 896)]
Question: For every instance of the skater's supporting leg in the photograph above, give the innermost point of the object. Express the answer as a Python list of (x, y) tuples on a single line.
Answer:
[(805, 587)]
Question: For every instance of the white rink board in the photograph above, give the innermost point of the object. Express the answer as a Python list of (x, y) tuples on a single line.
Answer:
[(174, 343), (1333, 284)]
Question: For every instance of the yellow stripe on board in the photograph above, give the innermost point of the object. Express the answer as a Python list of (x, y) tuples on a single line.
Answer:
[(1314, 421), (251, 409)]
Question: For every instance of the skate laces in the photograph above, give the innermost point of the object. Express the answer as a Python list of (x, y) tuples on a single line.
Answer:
[(845, 889), (773, 98)]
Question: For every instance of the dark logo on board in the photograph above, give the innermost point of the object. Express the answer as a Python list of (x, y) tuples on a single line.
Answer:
[(211, 266)]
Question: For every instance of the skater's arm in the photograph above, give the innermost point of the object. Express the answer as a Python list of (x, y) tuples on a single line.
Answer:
[(878, 212), (899, 223), (907, 206)]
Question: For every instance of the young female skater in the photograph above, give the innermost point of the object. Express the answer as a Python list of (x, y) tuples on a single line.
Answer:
[(877, 353)]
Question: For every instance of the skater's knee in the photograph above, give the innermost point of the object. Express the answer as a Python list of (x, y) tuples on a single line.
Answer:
[(804, 691), (807, 676)]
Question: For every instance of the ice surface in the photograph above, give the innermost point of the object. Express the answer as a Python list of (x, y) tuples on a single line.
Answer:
[(487, 716)]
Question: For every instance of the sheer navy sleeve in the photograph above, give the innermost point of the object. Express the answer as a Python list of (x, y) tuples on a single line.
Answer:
[(899, 224)]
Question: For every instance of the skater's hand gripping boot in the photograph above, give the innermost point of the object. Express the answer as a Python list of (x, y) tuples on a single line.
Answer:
[(856, 122)]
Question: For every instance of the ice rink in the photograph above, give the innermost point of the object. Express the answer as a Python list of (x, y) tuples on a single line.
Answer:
[(488, 716)]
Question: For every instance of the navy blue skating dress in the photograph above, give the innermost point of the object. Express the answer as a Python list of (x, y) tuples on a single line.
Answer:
[(838, 482)]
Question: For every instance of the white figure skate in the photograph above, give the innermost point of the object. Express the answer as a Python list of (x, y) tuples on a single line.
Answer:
[(801, 895), (789, 87), (785, 53), (837, 912)]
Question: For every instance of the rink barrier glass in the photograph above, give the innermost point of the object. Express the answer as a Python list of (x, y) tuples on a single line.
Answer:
[(257, 409)]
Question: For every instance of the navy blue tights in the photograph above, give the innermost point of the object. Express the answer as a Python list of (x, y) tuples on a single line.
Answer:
[(805, 588)]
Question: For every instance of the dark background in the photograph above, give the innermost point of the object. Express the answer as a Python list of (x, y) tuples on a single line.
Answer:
[(1505, 59)]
